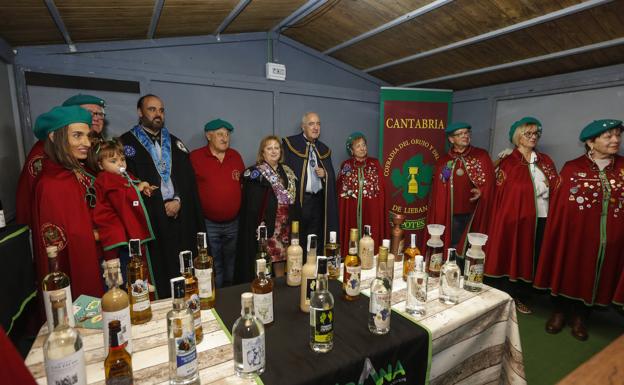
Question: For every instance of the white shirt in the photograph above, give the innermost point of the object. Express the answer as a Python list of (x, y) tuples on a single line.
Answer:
[(541, 187)]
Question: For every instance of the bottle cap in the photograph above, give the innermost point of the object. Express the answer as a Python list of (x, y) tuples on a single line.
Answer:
[(332, 237), (260, 265), (134, 246), (311, 241), (178, 286), (52, 251), (353, 234), (262, 232), (412, 240), (452, 253), (321, 265), (112, 264), (419, 259), (294, 227), (201, 241), (186, 260), (246, 299), (386, 243), (383, 254), (367, 230)]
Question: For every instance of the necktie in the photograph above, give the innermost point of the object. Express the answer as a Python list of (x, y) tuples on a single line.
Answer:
[(315, 181)]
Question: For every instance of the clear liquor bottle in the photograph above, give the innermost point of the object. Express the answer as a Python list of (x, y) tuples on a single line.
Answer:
[(53, 281), (294, 257), (322, 312), (204, 272), (115, 304), (118, 362), (308, 275), (138, 285), (332, 252), (410, 254), (262, 289), (248, 341), (262, 249), (379, 310), (449, 279), (63, 351), (192, 292), (183, 363), (351, 278), (366, 249), (417, 281), (391, 258)]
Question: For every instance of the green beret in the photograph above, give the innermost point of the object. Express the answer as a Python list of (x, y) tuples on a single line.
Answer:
[(456, 126), (80, 99), (218, 123), (597, 127), (59, 117), (351, 138), (521, 122)]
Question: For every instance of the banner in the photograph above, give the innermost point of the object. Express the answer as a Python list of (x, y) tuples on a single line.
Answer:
[(411, 140)]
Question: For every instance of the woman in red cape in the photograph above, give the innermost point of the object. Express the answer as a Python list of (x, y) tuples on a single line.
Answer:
[(525, 180), (361, 193), (583, 254)]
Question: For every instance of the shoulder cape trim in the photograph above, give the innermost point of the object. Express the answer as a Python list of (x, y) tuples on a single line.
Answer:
[(295, 151)]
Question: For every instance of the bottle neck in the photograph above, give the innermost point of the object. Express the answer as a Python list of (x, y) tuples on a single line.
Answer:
[(247, 311), (53, 264), (202, 253), (312, 257), (353, 246), (179, 304), (113, 337), (321, 282), (262, 276), (382, 270), (113, 280), (294, 238), (59, 316)]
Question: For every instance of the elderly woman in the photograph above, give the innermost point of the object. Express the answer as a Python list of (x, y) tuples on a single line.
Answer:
[(268, 197), (361, 193), (582, 258), (65, 198), (525, 180)]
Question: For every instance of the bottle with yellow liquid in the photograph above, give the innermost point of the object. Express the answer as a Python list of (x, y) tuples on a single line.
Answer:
[(409, 255), (203, 264), (191, 292), (352, 269), (138, 289)]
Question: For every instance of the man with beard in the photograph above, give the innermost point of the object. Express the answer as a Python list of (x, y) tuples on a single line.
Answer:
[(159, 158)]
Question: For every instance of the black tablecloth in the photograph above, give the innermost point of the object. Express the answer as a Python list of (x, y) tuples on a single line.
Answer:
[(401, 356)]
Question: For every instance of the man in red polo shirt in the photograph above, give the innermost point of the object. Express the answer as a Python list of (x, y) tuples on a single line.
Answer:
[(218, 169)]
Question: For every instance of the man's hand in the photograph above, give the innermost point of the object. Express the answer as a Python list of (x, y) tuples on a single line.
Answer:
[(172, 208), (320, 172), (476, 194)]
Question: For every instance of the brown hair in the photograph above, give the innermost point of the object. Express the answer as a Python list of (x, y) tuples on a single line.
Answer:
[(104, 149), (59, 151), (263, 144)]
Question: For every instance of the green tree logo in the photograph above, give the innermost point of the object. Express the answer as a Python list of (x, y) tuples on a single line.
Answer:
[(415, 179)]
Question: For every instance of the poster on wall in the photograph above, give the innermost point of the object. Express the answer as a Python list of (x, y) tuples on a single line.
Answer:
[(411, 140)]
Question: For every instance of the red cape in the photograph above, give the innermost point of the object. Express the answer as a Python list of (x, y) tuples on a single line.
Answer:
[(24, 198), (478, 167), (571, 262), (62, 217), (510, 249), (13, 368), (373, 200)]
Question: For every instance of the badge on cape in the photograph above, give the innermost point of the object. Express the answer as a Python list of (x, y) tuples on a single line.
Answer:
[(129, 151), (35, 165), (459, 172), (181, 146), (255, 174), (246, 173), (53, 235)]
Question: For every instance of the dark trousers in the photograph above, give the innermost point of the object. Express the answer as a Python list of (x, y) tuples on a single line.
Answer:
[(567, 305), (312, 221), (459, 223)]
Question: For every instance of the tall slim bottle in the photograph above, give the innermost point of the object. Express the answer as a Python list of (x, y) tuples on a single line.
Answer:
[(409, 255), (262, 249), (321, 312), (63, 351), (55, 280), (332, 252), (366, 249), (449, 279), (352, 269), (391, 258), (308, 276), (118, 362), (248, 341), (192, 292), (294, 257), (262, 288), (183, 363), (204, 272), (115, 304), (381, 291), (138, 289), (417, 289)]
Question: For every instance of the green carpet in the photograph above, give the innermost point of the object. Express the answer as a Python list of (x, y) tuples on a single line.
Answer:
[(547, 357)]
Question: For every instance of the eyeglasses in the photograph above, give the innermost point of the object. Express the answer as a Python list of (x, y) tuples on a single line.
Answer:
[(529, 134), (98, 114), (462, 133)]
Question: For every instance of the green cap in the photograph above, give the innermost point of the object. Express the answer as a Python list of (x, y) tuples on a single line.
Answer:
[(597, 127), (80, 99), (59, 117), (218, 123), (521, 122), (351, 138), (456, 126)]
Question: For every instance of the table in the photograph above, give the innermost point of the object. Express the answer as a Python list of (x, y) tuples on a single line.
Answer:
[(474, 342), (606, 367)]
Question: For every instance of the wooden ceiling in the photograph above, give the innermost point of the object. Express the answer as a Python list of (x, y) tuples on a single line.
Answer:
[(456, 44)]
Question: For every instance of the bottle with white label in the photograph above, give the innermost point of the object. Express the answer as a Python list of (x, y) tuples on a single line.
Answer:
[(434, 257), (379, 310), (183, 362), (115, 305), (308, 275), (2, 218), (473, 264), (351, 279), (262, 288), (248, 341), (417, 288), (56, 280), (391, 258), (294, 257), (204, 272), (192, 292), (321, 312), (138, 285), (366, 249), (63, 351), (332, 252)]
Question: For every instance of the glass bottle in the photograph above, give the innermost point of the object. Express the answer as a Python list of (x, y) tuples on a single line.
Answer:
[(63, 351), (115, 304), (308, 277), (332, 252), (262, 250), (473, 265), (294, 257), (410, 254), (138, 289), (192, 292), (380, 294), (55, 280), (118, 362), (248, 341), (366, 249), (183, 365), (417, 280), (435, 248), (2, 218), (391, 258), (262, 289), (204, 272), (352, 269), (322, 312), (449, 279)]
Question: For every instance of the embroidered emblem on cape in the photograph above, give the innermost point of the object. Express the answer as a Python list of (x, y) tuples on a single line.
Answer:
[(53, 235), (346, 168), (500, 177), (236, 175), (246, 173), (255, 174), (35, 165), (129, 151), (181, 146)]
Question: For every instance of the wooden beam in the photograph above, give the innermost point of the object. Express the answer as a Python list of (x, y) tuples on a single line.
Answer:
[(230, 18), (158, 6), (56, 16), (303, 11)]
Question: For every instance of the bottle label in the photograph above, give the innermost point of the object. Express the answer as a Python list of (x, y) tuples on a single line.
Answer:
[(366, 253), (263, 306), (310, 285), (322, 322), (380, 309), (69, 307), (352, 280), (186, 354), (204, 280), (194, 304), (293, 269), (70, 370), (140, 295), (436, 262), (2, 219), (123, 380), (123, 316), (475, 272), (253, 353)]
